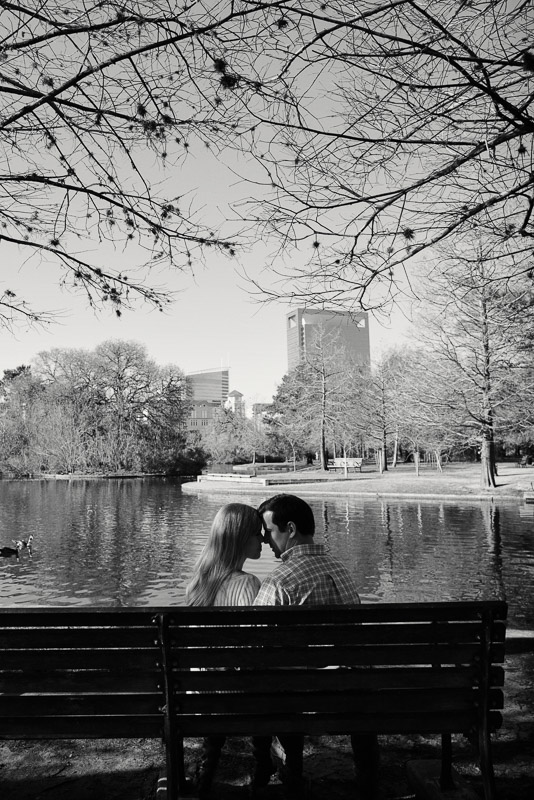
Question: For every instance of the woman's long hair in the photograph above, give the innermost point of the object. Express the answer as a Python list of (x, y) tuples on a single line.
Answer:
[(231, 530)]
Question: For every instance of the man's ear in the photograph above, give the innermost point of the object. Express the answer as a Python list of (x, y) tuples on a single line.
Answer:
[(291, 528)]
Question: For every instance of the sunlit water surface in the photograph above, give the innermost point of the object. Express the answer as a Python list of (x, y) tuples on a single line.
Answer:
[(134, 542)]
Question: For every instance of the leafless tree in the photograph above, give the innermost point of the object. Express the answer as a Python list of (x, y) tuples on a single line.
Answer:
[(474, 326), (100, 105), (382, 128), (411, 120)]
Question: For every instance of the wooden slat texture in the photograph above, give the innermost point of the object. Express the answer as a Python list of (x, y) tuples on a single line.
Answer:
[(319, 724), (430, 702), (391, 612), (331, 656), (95, 616), (120, 637), (75, 682), (331, 633), (340, 679), (98, 705), (388, 612), (81, 727), (323, 724), (46, 660)]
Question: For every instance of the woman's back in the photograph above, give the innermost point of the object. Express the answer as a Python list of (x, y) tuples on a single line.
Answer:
[(239, 589)]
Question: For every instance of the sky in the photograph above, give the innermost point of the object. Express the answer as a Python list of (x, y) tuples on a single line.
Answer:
[(212, 323)]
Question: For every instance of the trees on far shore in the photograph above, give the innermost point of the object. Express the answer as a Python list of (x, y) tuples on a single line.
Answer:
[(110, 409), (425, 400)]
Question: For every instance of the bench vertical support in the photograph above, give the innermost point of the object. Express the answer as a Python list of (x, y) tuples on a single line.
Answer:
[(174, 744), (484, 743), (445, 778)]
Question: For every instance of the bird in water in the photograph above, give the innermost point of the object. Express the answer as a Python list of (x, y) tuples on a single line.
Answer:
[(24, 544), (7, 552)]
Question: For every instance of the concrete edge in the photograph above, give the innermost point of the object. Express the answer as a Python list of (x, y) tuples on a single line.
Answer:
[(223, 488)]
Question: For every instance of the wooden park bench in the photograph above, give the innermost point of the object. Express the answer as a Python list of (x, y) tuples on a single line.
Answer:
[(348, 463), (416, 668)]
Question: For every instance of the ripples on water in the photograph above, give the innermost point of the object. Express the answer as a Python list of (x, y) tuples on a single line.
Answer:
[(134, 542)]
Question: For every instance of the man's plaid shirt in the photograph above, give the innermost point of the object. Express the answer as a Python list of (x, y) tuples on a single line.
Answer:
[(307, 576)]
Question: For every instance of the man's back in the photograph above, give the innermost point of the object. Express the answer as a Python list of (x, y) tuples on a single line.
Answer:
[(308, 575)]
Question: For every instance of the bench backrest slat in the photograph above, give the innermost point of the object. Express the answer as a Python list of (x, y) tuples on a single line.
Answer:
[(93, 704), (45, 660), (183, 618), (94, 637), (332, 632), (320, 724), (341, 679), (65, 727), (316, 656), (80, 681), (321, 701)]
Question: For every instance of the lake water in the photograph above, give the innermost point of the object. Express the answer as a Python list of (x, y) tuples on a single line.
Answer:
[(134, 542)]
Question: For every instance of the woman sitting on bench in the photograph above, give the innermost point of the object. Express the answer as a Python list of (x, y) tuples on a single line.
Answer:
[(219, 580)]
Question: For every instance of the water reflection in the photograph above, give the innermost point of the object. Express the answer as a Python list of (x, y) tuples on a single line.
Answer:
[(134, 542)]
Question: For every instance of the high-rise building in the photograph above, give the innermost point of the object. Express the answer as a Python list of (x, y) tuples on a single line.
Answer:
[(210, 392), (210, 385), (303, 325)]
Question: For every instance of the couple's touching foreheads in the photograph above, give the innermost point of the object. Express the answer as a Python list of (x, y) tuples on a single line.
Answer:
[(306, 575)]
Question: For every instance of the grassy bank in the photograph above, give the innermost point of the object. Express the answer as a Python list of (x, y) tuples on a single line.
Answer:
[(456, 480)]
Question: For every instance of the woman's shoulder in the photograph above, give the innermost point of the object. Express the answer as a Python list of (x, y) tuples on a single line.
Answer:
[(245, 579), (240, 589), (247, 576)]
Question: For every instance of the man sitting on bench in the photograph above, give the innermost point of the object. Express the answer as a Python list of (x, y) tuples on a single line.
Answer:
[(308, 575)]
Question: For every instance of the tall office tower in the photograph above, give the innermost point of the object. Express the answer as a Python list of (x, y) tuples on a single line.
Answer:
[(303, 325), (210, 392)]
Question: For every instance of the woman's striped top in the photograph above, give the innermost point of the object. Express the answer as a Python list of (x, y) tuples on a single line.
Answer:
[(240, 589)]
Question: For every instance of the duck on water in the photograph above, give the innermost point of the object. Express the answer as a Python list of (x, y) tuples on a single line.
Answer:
[(20, 544)]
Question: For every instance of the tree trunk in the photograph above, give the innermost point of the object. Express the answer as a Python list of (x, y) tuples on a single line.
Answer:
[(395, 448), (324, 460), (487, 460), (416, 461), (379, 457), (384, 452), (487, 449)]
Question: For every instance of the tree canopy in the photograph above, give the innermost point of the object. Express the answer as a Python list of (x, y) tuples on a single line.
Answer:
[(415, 123), (110, 409), (380, 130)]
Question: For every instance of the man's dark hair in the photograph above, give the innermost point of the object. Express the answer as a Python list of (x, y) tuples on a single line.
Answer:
[(289, 508)]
